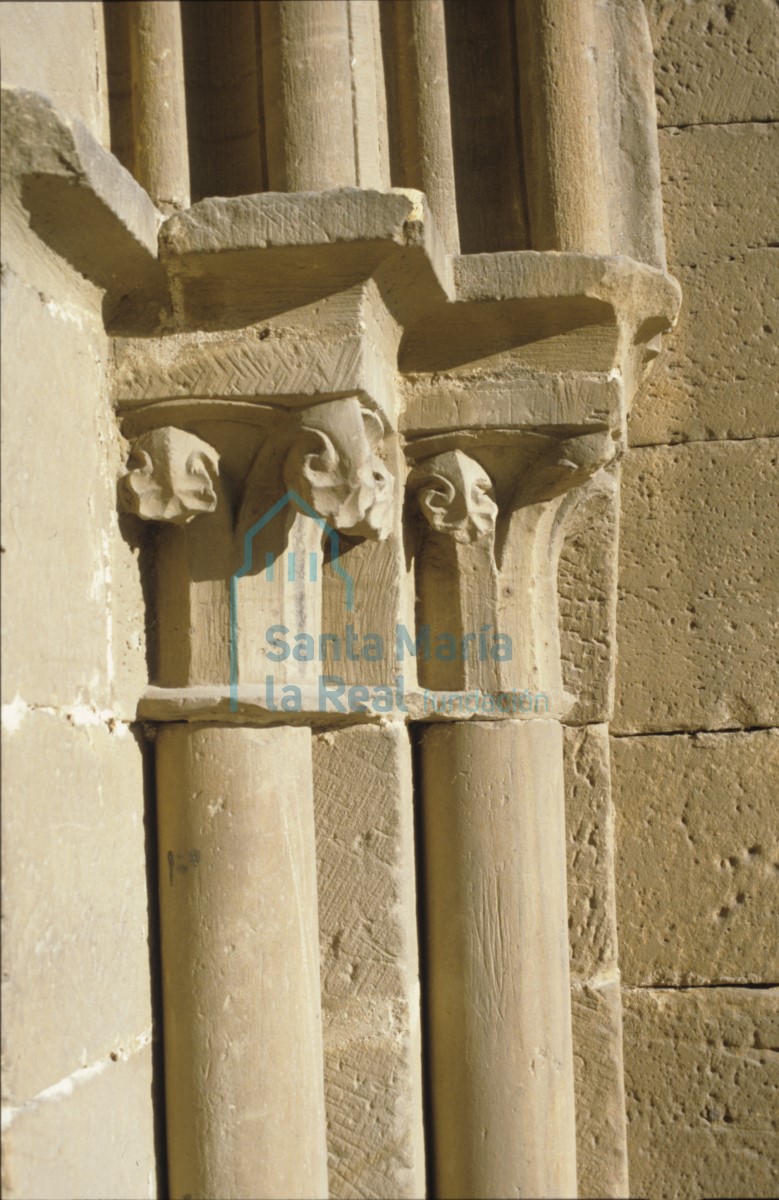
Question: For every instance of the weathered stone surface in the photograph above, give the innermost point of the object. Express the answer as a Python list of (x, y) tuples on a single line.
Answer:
[(708, 173), (589, 822), (601, 1141), (699, 586), (374, 1133), (77, 198), (307, 352), (586, 591), (715, 62), (75, 929), (58, 503), (93, 1136), (601, 1146), (702, 1087), (274, 219), (370, 988), (717, 375), (240, 962), (697, 841), (59, 49)]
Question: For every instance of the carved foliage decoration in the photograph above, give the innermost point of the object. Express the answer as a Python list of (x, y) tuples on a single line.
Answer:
[(173, 477), (328, 456), (563, 466), (455, 496), (333, 465)]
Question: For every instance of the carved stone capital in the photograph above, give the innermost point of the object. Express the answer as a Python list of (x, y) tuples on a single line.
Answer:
[(563, 466), (172, 477), (327, 457), (455, 496), (334, 466)]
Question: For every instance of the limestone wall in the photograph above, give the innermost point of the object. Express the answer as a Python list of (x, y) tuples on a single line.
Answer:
[(78, 1005), (695, 751)]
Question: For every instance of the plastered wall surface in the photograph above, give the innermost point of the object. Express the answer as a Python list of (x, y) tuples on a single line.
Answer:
[(695, 753)]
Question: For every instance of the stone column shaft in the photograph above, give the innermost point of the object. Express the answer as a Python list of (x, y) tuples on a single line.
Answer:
[(499, 1019), (307, 85), (560, 126), (160, 122), (499, 1011), (240, 955), (238, 890)]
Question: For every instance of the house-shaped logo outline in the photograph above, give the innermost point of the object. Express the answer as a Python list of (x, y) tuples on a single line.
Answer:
[(290, 497)]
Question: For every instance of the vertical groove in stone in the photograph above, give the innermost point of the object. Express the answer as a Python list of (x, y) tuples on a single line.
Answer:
[(240, 962), (118, 19), (307, 85), (223, 118), (499, 1016), (484, 101), (628, 120), (369, 100), (560, 126), (414, 37), (161, 163)]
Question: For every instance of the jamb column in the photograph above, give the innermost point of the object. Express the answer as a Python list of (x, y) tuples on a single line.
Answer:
[(307, 87), (159, 109), (240, 954), (424, 136), (238, 897), (499, 1026), (561, 125)]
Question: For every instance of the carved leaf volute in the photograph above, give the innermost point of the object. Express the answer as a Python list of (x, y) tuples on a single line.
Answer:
[(172, 477)]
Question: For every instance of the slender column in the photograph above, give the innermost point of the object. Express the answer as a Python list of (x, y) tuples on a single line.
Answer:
[(160, 122), (307, 87), (560, 126), (426, 159), (240, 953), (238, 897), (499, 1018)]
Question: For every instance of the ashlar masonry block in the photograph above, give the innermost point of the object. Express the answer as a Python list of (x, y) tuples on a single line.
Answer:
[(370, 985), (699, 588), (702, 1084), (697, 843)]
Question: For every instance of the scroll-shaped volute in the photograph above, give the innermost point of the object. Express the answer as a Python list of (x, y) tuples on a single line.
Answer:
[(377, 522), (565, 465), (455, 495), (334, 467), (173, 477)]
